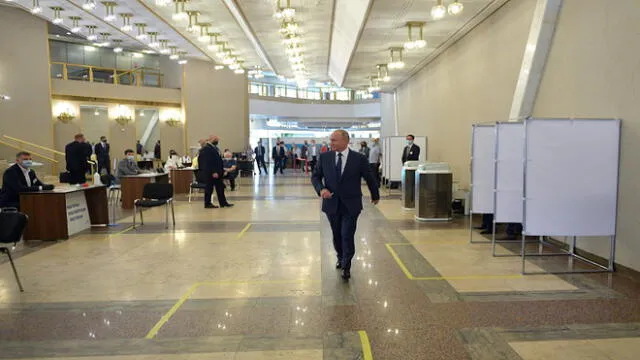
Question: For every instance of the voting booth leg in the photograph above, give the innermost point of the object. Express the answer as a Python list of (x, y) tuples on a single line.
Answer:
[(173, 214), (166, 216), (15, 272), (571, 257)]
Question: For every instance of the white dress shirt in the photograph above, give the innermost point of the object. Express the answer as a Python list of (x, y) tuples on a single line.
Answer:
[(374, 154), (26, 175), (313, 148), (345, 155)]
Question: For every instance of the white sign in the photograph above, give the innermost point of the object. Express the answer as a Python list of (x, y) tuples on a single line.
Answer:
[(77, 213)]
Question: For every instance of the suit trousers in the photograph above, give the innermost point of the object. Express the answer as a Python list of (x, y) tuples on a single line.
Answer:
[(103, 165), (77, 177), (343, 227), (208, 192), (375, 170), (261, 165)]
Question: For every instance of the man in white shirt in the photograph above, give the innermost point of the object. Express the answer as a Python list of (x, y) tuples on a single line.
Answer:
[(375, 154), (313, 154)]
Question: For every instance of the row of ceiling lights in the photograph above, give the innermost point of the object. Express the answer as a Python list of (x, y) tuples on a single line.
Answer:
[(291, 32), (415, 41), (223, 53)]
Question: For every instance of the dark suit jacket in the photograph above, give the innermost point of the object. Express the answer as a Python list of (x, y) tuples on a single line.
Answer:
[(346, 189), (262, 148), (14, 183), (209, 163), (413, 153), (275, 155), (76, 155), (102, 153)]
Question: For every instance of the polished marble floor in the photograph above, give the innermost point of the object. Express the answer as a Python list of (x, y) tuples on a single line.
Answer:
[(257, 281)]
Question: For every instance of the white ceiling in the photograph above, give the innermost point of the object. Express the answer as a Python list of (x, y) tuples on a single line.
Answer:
[(353, 59)]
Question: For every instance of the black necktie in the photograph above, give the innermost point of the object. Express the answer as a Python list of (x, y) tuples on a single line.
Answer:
[(339, 165)]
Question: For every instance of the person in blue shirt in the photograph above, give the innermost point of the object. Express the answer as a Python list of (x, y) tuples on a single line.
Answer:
[(230, 166)]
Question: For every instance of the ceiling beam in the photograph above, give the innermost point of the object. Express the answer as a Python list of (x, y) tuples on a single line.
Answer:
[(241, 20)]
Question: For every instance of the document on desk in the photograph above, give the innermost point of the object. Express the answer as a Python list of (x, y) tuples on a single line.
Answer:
[(77, 212)]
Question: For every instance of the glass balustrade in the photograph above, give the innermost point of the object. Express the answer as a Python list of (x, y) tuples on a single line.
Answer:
[(308, 93), (137, 77)]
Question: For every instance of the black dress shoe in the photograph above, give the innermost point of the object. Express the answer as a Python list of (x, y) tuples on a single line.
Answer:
[(338, 265), (211, 206), (486, 232), (226, 205), (479, 228), (346, 274)]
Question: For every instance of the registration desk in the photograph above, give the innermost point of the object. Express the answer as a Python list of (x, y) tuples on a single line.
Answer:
[(133, 185), (62, 212), (181, 180)]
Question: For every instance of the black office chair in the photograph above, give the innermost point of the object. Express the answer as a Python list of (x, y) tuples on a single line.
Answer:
[(196, 185), (154, 195), (12, 225)]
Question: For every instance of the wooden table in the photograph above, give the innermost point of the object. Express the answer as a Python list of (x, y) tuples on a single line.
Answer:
[(132, 186), (181, 180), (64, 211)]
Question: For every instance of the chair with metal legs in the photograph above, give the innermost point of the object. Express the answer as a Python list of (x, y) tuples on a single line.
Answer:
[(12, 225), (154, 195)]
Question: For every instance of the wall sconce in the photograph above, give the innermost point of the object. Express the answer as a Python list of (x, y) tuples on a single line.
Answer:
[(123, 115), (4, 97), (171, 117), (65, 117), (64, 112), (173, 122)]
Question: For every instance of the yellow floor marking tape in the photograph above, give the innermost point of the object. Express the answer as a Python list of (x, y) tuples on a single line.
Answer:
[(163, 320), (246, 228), (366, 346)]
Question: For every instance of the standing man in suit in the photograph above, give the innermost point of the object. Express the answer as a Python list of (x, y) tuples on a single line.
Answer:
[(102, 150), (76, 154), (19, 178), (411, 151), (279, 156), (260, 151), (313, 154), (211, 173), (157, 152), (337, 180)]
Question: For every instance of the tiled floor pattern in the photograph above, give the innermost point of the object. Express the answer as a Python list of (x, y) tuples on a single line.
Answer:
[(257, 281)]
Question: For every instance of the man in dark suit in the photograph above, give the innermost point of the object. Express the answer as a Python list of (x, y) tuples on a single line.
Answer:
[(102, 150), (76, 154), (157, 151), (19, 178), (260, 151), (211, 172), (279, 155), (337, 179), (411, 151)]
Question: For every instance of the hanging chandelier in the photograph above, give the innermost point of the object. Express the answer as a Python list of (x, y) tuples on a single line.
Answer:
[(418, 42)]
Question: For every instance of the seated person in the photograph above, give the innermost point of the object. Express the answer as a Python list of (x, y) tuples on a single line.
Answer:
[(230, 166), (173, 162), (128, 165), (19, 178)]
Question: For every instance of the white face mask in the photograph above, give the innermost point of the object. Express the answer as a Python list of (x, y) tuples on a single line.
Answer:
[(409, 142)]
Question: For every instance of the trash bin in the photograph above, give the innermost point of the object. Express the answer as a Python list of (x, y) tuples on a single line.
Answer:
[(433, 189), (408, 184)]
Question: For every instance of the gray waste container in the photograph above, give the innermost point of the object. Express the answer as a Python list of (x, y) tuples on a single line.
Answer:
[(434, 186), (408, 184)]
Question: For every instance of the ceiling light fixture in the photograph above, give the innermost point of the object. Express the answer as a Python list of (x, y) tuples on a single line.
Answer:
[(89, 5), (126, 22), (92, 33), (204, 32), (142, 33), (374, 84), (418, 43), (109, 7), (153, 40), (222, 50), (174, 53), (192, 16), (117, 48), (214, 45), (286, 12), (455, 8), (397, 61), (180, 13), (164, 47), (36, 8), (219, 67), (104, 37), (163, 3), (75, 24), (137, 55), (438, 11), (383, 72), (57, 18), (229, 60)]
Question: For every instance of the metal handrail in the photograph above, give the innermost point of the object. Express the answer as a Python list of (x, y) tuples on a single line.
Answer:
[(24, 142), (268, 89), (32, 152), (116, 73)]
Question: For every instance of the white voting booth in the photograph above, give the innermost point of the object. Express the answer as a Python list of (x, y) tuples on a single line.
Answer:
[(558, 177), (483, 144), (392, 148)]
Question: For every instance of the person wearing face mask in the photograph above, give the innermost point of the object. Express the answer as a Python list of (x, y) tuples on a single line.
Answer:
[(102, 150), (364, 149), (128, 166), (230, 166), (211, 173), (375, 154), (279, 156), (411, 151), (76, 155), (173, 161), (19, 178)]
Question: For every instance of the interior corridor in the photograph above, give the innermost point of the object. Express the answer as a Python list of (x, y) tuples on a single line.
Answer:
[(258, 281)]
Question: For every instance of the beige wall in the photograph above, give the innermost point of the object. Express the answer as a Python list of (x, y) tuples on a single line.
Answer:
[(215, 102), (24, 75), (593, 71), (114, 92), (121, 137), (471, 82)]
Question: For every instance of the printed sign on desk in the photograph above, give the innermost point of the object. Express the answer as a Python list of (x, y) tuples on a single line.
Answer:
[(77, 212)]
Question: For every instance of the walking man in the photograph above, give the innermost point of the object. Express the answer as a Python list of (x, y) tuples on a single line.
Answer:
[(336, 179)]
